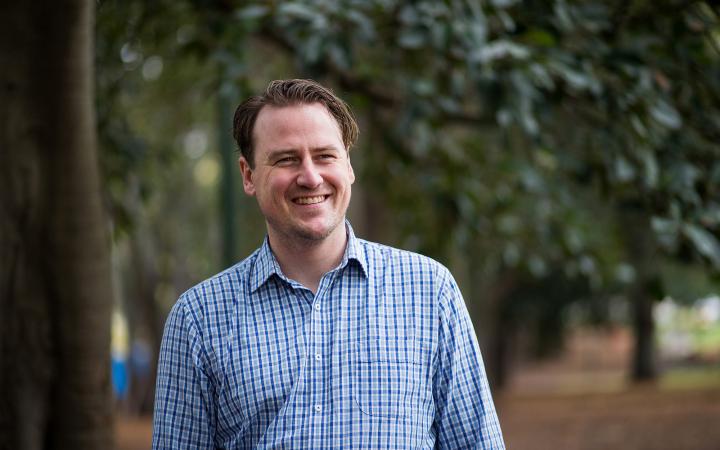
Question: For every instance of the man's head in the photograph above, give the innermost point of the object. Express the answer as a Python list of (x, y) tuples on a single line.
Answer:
[(288, 93), (295, 141)]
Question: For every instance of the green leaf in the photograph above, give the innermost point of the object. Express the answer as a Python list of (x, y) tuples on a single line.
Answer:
[(409, 15), (625, 273), (705, 243), (297, 10), (623, 170), (509, 224), (503, 3), (573, 240), (531, 180), (540, 38), (667, 231), (339, 56), (638, 126), (576, 79), (541, 77), (711, 216), (252, 12), (545, 159), (365, 27), (511, 254), (587, 265), (537, 266), (412, 39), (714, 177), (665, 114), (507, 21), (500, 49), (313, 48), (663, 226), (651, 169)]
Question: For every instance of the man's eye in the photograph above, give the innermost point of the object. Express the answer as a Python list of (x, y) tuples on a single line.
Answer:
[(286, 160), (327, 156)]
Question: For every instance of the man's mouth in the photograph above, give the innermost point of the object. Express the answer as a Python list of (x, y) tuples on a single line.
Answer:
[(310, 200)]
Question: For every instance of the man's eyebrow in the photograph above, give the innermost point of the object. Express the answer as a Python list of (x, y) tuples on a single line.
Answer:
[(325, 148), (281, 153), (284, 152)]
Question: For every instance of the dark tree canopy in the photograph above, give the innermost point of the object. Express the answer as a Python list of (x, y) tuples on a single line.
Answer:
[(518, 140)]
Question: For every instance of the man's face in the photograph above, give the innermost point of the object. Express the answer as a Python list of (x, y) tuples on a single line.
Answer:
[(302, 173)]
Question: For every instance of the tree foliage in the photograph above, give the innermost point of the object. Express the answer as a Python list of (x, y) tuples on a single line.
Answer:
[(511, 136), (622, 96), (614, 98)]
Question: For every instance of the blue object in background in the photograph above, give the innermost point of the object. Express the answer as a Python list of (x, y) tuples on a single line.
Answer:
[(120, 381)]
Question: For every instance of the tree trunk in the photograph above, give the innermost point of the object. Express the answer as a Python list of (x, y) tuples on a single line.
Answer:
[(490, 284), (228, 186), (500, 332), (641, 251), (644, 366), (146, 321), (55, 293)]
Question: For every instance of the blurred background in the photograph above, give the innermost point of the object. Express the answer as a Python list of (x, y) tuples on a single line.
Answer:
[(561, 157)]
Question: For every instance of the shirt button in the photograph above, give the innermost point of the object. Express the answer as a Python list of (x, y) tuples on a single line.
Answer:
[(318, 408), (318, 357), (317, 306)]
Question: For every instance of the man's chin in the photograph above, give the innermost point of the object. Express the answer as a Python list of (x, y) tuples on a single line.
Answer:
[(315, 235), (305, 232), (314, 232)]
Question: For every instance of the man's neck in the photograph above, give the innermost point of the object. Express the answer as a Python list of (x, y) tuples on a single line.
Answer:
[(307, 261)]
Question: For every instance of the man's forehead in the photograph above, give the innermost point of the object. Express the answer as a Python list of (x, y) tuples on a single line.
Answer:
[(280, 121)]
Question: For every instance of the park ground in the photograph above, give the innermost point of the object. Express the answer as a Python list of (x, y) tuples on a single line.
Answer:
[(582, 401)]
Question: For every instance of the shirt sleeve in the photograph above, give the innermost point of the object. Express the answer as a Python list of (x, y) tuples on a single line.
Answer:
[(183, 416), (465, 416)]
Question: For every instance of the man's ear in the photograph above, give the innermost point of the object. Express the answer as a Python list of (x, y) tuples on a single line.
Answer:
[(246, 173)]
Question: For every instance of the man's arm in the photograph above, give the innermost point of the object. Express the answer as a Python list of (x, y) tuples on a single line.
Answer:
[(183, 413), (465, 416)]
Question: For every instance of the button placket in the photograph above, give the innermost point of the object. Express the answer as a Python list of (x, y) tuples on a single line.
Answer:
[(319, 340)]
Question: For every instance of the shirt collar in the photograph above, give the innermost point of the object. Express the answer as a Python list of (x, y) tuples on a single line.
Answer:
[(266, 265), (354, 251)]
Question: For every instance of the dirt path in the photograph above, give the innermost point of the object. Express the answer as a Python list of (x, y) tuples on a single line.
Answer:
[(133, 433), (637, 419)]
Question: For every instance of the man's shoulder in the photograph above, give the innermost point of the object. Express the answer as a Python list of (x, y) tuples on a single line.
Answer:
[(394, 258)]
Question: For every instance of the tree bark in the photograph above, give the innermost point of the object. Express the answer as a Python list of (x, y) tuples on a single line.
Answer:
[(641, 251), (644, 366), (490, 284), (499, 333), (55, 293)]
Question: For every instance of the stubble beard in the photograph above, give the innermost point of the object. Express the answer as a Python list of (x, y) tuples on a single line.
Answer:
[(299, 235)]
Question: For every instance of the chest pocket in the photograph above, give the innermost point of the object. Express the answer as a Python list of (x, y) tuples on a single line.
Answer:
[(394, 385)]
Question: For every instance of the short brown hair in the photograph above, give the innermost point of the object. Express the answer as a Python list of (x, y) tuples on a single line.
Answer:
[(289, 93)]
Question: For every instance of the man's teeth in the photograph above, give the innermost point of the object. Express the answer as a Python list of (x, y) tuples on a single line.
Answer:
[(310, 200)]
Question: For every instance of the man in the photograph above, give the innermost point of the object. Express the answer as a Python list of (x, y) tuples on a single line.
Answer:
[(318, 340)]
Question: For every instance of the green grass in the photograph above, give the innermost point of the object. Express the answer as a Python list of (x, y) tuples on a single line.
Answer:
[(707, 339), (691, 378)]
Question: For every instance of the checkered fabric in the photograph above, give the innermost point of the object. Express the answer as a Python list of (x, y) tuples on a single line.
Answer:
[(382, 356)]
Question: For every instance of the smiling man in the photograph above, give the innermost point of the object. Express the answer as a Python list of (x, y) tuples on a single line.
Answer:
[(319, 339), (299, 171)]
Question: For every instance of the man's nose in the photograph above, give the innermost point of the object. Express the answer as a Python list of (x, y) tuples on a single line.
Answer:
[(309, 176)]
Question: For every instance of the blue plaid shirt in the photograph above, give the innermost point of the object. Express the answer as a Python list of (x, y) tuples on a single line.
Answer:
[(382, 356)]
